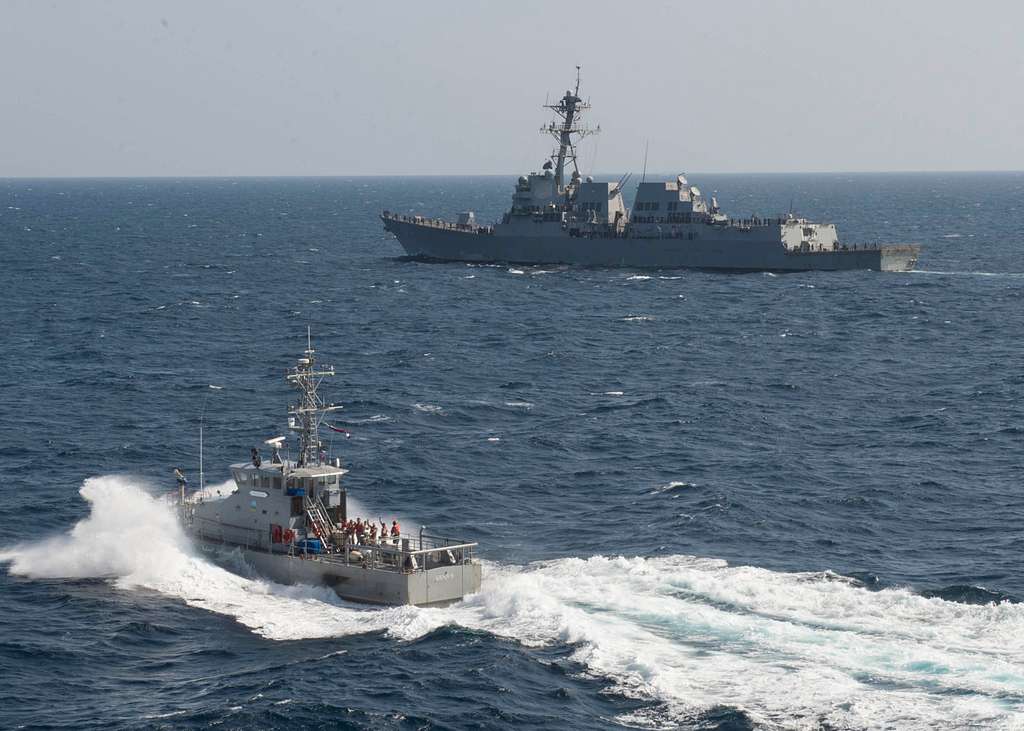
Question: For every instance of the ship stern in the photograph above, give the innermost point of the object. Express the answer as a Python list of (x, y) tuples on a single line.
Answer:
[(444, 585), (899, 258)]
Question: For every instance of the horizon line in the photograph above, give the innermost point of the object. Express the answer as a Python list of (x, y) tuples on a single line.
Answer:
[(331, 176)]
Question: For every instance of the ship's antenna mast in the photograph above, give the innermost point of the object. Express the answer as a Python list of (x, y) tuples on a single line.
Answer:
[(568, 111), (306, 415)]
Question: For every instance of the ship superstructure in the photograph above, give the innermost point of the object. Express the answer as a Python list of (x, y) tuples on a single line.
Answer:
[(290, 521), (672, 224)]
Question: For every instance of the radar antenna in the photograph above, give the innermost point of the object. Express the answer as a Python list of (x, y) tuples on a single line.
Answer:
[(568, 112), (306, 415)]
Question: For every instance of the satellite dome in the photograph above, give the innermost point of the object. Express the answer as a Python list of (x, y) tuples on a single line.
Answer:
[(523, 180)]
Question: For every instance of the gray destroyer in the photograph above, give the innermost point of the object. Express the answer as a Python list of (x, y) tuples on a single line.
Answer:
[(289, 520), (671, 225)]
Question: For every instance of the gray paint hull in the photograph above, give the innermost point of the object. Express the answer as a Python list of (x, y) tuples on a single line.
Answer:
[(447, 244), (435, 586)]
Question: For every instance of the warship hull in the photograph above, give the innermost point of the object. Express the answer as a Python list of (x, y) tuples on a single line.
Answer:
[(430, 241), (425, 587), (289, 519)]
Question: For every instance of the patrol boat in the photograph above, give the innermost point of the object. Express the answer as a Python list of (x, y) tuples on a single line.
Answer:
[(671, 224), (289, 519)]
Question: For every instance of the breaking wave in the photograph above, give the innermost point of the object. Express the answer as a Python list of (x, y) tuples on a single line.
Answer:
[(428, 408), (674, 486), (688, 633)]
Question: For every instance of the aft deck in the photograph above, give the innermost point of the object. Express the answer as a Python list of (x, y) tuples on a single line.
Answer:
[(404, 555)]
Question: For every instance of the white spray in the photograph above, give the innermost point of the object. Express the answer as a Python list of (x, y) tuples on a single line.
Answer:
[(692, 633)]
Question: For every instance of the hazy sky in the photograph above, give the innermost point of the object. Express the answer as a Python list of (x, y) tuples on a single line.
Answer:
[(130, 87)]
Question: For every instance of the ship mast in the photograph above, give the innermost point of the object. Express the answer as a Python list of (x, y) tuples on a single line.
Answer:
[(568, 111), (306, 415)]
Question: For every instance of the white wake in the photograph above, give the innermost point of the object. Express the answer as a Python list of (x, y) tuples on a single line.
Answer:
[(788, 648)]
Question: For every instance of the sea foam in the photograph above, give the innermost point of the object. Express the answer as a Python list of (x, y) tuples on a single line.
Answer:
[(689, 633)]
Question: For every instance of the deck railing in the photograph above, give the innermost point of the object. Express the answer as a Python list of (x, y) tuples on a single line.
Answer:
[(408, 556), (438, 223), (404, 554)]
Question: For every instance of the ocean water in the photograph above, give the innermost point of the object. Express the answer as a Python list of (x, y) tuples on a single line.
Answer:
[(705, 501)]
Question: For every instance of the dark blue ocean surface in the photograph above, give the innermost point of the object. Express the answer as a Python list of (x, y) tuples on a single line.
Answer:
[(704, 500)]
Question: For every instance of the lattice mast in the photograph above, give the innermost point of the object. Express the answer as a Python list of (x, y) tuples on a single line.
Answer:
[(568, 111), (306, 415)]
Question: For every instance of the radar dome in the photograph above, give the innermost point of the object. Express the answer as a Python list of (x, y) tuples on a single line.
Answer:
[(523, 180)]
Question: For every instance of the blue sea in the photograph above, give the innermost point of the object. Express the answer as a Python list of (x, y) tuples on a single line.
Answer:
[(703, 500)]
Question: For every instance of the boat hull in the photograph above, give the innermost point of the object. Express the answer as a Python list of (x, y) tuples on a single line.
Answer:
[(424, 587), (434, 242)]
